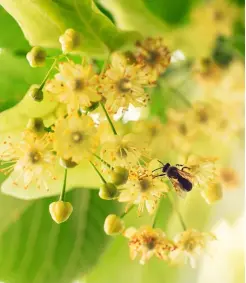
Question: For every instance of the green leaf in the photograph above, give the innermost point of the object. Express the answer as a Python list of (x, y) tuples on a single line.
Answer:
[(16, 76), (11, 34), (44, 21), (172, 12), (35, 249)]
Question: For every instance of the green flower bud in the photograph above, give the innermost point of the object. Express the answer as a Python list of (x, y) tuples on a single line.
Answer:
[(36, 93), (36, 57), (70, 40), (119, 176), (67, 163), (108, 191), (113, 225), (212, 193), (60, 211), (36, 125)]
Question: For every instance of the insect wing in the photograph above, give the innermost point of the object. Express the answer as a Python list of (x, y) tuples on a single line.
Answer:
[(186, 175), (177, 187)]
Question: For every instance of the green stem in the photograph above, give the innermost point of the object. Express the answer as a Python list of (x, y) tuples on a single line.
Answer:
[(103, 161), (108, 118), (62, 196), (156, 214), (126, 212), (99, 174), (48, 74), (177, 212)]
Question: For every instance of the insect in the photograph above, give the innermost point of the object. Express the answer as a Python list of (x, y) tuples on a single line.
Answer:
[(180, 179)]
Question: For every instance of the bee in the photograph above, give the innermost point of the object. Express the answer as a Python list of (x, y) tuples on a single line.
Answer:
[(180, 179)]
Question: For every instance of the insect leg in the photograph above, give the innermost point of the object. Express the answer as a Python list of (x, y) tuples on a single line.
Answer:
[(164, 174), (185, 167), (157, 169)]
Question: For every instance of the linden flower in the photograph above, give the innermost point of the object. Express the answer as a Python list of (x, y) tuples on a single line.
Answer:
[(189, 245), (203, 169), (75, 85), (148, 242), (143, 189), (126, 150), (229, 178), (154, 55), (32, 159), (74, 137), (124, 84)]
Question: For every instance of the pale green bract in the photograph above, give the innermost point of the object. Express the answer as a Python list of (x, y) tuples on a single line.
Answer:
[(44, 21)]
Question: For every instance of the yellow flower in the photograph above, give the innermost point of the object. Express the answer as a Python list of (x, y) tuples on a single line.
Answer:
[(31, 159), (75, 137), (148, 242), (126, 150), (229, 178), (142, 189), (75, 85), (154, 55), (124, 84), (189, 245), (203, 169)]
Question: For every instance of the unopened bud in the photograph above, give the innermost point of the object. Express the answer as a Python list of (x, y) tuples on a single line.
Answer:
[(60, 211), (36, 93), (113, 225), (36, 57), (70, 40), (67, 163), (212, 193), (119, 176), (36, 125), (108, 191)]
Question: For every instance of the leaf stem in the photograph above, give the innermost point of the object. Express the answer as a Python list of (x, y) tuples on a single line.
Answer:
[(103, 161), (62, 196), (177, 212), (108, 118), (99, 174), (48, 73), (126, 212), (156, 214)]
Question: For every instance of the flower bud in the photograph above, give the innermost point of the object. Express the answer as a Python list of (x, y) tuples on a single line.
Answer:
[(36, 93), (60, 211), (113, 225), (36, 57), (119, 176), (70, 40), (108, 191), (67, 163), (36, 125), (212, 193)]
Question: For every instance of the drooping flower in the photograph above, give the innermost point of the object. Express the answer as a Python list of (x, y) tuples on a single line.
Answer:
[(143, 189), (32, 159), (203, 169), (123, 84), (148, 242), (75, 137), (75, 85), (189, 245), (124, 150), (154, 55)]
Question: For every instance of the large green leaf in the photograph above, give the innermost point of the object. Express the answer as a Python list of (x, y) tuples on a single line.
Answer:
[(35, 249), (44, 21), (11, 35)]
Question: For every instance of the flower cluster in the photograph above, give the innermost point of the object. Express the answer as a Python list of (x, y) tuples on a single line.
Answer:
[(128, 157)]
